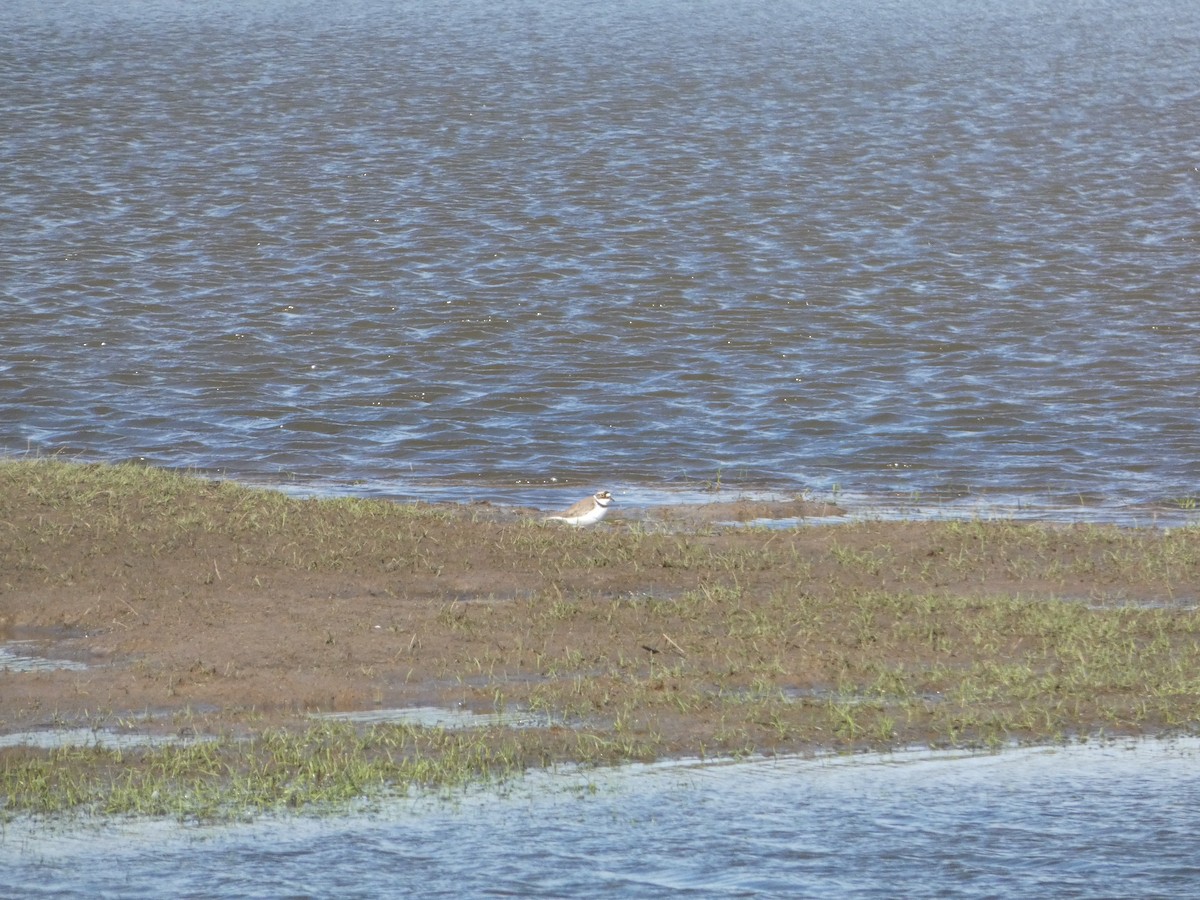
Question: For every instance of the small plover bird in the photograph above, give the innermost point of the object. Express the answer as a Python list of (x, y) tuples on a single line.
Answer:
[(585, 512)]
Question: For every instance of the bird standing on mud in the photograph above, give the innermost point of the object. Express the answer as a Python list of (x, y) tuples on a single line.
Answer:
[(586, 512)]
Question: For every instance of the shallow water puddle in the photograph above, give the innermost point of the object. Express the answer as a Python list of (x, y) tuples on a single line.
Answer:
[(54, 738), (439, 717), (28, 656)]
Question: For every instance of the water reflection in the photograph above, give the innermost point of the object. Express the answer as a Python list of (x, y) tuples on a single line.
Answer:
[(438, 717), (34, 656)]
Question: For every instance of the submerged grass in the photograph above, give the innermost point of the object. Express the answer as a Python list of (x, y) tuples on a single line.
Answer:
[(642, 642), (321, 767)]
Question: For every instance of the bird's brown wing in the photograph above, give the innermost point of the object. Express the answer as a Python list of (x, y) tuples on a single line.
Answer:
[(578, 509)]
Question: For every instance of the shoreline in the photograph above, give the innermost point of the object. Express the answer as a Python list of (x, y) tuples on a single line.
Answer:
[(651, 501), (209, 609)]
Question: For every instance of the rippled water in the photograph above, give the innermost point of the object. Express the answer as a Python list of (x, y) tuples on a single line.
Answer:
[(1111, 821), (922, 245)]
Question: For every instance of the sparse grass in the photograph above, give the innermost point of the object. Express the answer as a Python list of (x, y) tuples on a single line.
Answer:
[(645, 643)]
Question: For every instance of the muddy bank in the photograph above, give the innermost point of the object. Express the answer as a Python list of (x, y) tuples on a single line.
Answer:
[(196, 605), (740, 511)]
